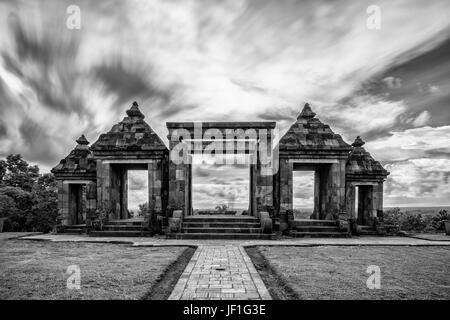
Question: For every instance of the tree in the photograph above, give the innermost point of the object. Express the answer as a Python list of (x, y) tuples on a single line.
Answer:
[(7, 206), (142, 209), (222, 208), (44, 211), (23, 201), (27, 199), (16, 172)]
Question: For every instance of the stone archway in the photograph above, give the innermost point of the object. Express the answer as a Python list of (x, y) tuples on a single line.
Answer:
[(218, 138)]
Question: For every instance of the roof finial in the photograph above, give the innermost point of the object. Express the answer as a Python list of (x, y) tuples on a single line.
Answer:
[(358, 142), (135, 112), (82, 140), (306, 113)]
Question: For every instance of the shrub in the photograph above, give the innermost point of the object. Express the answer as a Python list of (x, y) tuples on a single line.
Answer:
[(412, 222), (437, 221), (416, 221), (142, 209)]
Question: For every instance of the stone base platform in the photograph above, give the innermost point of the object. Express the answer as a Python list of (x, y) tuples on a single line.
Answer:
[(221, 227)]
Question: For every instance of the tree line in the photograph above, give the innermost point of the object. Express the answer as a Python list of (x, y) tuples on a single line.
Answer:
[(28, 199)]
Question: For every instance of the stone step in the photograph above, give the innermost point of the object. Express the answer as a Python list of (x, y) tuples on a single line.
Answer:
[(125, 222), (120, 227), (297, 234), (119, 234), (221, 224), (221, 219), (74, 231), (229, 236), (221, 230), (314, 222), (313, 228)]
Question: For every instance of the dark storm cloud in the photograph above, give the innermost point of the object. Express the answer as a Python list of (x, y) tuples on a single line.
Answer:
[(128, 84), (31, 131), (422, 81), (278, 115), (200, 172), (248, 86), (438, 153), (37, 143), (3, 130), (174, 109), (51, 54)]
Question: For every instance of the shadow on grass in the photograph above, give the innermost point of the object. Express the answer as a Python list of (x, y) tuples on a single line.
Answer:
[(165, 283), (278, 286)]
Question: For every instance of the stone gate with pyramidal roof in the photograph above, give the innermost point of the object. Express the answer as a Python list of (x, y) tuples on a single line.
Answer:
[(93, 182)]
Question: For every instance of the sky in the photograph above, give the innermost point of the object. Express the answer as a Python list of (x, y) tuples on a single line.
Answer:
[(233, 60)]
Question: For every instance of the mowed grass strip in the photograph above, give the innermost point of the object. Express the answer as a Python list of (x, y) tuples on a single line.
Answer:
[(37, 269), (333, 272)]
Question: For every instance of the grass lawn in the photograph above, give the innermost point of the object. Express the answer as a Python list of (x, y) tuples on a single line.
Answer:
[(37, 270), (333, 272)]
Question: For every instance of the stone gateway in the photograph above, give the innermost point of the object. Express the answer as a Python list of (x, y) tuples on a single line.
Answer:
[(93, 187)]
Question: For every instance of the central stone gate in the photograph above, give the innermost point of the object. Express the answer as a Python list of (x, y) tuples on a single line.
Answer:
[(219, 139)]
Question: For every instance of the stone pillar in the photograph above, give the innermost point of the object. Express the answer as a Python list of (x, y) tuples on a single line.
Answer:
[(378, 200), (63, 203), (286, 195), (124, 195), (91, 202), (316, 209), (177, 187), (264, 192), (336, 189), (104, 186), (350, 200), (154, 188)]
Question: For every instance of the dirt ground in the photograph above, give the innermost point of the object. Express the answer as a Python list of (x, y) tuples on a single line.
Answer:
[(37, 269), (333, 272)]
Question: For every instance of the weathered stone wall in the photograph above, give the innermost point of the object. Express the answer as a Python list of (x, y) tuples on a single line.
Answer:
[(370, 201), (76, 200)]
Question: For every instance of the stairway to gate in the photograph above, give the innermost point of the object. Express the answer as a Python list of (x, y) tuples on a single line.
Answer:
[(317, 229), (221, 227), (122, 228)]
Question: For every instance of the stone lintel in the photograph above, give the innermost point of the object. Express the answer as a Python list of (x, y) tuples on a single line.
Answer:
[(223, 125), (312, 154), (315, 161), (130, 154), (351, 177), (129, 161), (78, 182), (72, 176), (363, 183)]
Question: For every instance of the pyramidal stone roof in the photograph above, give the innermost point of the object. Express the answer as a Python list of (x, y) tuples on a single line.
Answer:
[(361, 163), (79, 161), (308, 133), (130, 134)]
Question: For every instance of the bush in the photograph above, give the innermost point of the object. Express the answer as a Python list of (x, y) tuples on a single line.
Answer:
[(416, 222), (437, 221)]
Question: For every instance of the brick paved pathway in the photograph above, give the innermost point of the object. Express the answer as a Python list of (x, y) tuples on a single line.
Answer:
[(220, 272)]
